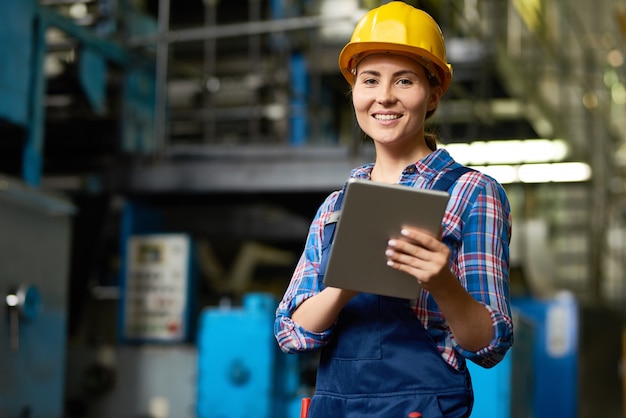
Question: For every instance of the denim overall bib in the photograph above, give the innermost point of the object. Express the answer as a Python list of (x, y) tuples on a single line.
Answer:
[(381, 361)]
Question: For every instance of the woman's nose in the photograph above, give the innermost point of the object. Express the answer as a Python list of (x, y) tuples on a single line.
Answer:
[(385, 95)]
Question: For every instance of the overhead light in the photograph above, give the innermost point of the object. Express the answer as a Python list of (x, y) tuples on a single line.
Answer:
[(561, 172), (511, 151), (569, 172)]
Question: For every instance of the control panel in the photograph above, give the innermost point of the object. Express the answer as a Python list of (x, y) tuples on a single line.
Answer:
[(156, 292)]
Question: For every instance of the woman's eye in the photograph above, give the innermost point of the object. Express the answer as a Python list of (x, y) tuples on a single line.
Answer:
[(405, 82)]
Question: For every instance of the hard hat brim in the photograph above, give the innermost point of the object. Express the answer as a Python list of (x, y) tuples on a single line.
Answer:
[(353, 52)]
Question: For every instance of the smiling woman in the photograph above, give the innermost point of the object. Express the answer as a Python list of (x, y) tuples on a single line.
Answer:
[(385, 356)]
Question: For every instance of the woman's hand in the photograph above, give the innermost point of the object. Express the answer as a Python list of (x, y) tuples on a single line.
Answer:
[(421, 255), (427, 259)]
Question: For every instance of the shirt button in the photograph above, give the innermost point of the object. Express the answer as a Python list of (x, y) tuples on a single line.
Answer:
[(410, 169)]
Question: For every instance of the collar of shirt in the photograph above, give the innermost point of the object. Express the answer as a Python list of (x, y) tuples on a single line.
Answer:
[(425, 169)]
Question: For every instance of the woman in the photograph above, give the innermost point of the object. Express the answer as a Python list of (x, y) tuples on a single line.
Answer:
[(383, 356)]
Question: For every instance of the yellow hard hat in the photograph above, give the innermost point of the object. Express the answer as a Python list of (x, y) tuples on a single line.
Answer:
[(397, 27)]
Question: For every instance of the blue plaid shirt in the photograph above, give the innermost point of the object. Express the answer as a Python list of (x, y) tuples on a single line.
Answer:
[(476, 228)]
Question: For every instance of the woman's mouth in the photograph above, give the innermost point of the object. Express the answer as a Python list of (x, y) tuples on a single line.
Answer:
[(385, 118)]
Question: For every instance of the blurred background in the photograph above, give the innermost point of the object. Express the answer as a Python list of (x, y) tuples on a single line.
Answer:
[(160, 163)]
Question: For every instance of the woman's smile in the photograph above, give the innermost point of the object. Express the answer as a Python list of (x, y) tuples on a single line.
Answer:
[(386, 117)]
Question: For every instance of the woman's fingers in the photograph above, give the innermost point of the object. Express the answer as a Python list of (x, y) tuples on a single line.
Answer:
[(418, 253)]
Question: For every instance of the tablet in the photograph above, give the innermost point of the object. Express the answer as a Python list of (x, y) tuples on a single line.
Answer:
[(372, 213)]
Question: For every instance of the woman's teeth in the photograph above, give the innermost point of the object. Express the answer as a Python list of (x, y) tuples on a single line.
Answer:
[(386, 117)]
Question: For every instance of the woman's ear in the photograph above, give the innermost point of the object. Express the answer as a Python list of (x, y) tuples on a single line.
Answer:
[(435, 96)]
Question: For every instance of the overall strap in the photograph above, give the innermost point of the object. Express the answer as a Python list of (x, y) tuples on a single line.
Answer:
[(329, 228), (448, 179)]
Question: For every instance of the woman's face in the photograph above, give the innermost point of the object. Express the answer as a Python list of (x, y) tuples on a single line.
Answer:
[(391, 96)]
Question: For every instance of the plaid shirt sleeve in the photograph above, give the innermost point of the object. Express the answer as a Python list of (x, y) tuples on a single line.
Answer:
[(477, 228), (290, 336)]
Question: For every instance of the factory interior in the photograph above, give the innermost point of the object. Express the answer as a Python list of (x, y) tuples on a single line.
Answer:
[(161, 162)]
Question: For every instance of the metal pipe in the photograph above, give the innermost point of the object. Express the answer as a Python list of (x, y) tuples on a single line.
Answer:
[(254, 58), (209, 129), (160, 102), (235, 30)]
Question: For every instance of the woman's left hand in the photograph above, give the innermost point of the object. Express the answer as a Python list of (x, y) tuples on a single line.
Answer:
[(421, 255), (426, 258)]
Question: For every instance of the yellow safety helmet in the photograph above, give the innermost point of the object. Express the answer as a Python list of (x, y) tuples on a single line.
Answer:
[(397, 27)]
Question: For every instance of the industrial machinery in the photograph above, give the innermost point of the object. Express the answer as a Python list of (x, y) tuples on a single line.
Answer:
[(576, 357), (34, 254), (506, 390), (241, 371)]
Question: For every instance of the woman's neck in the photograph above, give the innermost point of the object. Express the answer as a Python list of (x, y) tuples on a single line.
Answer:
[(388, 167)]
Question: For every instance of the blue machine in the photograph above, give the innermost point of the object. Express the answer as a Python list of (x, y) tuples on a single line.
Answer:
[(576, 357), (538, 377), (506, 390), (555, 354), (492, 389), (241, 370)]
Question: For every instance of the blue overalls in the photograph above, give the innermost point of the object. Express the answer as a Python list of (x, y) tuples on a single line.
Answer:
[(382, 363)]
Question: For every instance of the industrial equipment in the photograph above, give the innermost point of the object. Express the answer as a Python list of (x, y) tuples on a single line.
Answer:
[(241, 371), (575, 357), (506, 390), (157, 289), (34, 254)]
